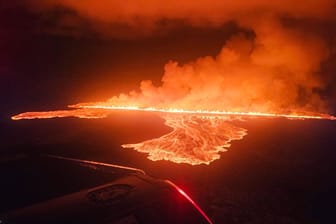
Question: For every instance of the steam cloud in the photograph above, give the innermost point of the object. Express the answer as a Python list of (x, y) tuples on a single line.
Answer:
[(278, 69)]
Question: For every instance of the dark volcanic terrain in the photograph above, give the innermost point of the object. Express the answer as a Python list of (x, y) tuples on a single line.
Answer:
[(283, 171)]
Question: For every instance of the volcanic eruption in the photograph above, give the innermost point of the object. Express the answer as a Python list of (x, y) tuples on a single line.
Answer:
[(275, 70)]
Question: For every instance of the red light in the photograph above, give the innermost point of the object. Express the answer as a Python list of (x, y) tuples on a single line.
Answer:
[(186, 196)]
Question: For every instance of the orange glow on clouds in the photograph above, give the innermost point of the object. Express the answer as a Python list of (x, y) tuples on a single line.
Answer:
[(273, 75), (273, 71), (144, 15)]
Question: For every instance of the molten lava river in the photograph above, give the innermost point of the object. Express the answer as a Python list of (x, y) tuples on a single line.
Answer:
[(197, 137), (194, 139)]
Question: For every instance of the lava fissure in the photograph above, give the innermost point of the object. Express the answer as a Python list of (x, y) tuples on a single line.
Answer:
[(197, 136)]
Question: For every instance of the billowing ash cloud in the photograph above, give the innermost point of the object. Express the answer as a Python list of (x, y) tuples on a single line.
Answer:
[(275, 71), (120, 17), (283, 61), (278, 69)]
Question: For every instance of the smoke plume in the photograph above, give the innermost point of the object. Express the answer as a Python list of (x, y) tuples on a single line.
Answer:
[(277, 69), (149, 13)]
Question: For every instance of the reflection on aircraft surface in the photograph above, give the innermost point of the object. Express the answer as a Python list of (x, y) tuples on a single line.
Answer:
[(129, 195)]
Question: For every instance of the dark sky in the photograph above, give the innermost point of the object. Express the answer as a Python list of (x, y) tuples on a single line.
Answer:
[(55, 53)]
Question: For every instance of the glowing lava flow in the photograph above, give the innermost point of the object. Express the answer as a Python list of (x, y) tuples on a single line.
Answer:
[(194, 140), (197, 136), (80, 113), (101, 111), (293, 115)]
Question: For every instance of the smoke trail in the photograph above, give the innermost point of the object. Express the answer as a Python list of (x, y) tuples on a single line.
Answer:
[(275, 71)]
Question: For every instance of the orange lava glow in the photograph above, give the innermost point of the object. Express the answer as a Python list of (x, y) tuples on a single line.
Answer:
[(101, 111), (293, 115), (277, 61), (80, 113), (197, 137), (194, 139)]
